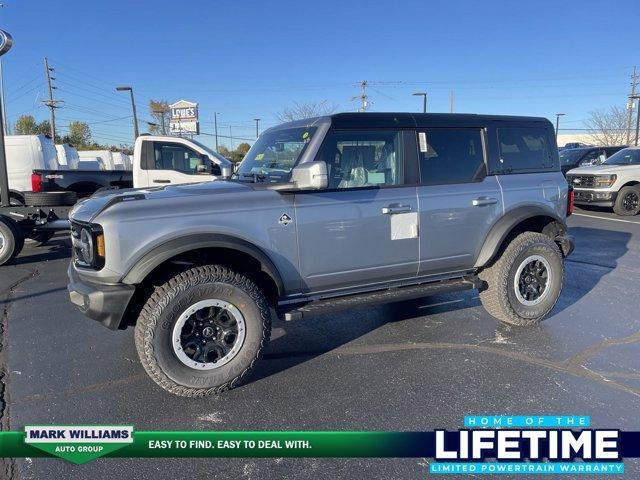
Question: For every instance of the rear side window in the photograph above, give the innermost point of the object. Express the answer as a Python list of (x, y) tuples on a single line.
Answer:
[(524, 149), (451, 155)]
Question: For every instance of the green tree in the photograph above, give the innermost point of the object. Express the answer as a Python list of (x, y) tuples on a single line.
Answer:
[(43, 128), (238, 154), (159, 111), (26, 125), (224, 151), (79, 134)]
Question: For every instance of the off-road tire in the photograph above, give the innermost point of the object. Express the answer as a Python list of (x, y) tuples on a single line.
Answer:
[(499, 298), (50, 199), (619, 206), (12, 240), (164, 307)]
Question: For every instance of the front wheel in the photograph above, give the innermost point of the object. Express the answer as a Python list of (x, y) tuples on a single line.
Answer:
[(201, 332), (627, 201), (524, 284)]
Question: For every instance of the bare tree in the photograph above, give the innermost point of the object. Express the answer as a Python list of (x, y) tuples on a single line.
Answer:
[(159, 111), (607, 127), (298, 111)]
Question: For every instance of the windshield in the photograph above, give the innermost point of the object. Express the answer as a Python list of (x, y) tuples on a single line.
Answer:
[(275, 153), (570, 156), (210, 152), (627, 156)]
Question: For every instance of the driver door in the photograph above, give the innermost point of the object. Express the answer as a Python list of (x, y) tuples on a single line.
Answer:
[(363, 229), (174, 163)]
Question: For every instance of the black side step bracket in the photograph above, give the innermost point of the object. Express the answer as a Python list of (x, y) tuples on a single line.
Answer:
[(378, 297)]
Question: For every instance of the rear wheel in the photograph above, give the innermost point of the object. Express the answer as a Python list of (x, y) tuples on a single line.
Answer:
[(11, 240), (628, 201), (201, 332), (524, 284)]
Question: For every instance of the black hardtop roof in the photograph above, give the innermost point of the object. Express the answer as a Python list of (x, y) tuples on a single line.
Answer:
[(403, 119), (406, 120)]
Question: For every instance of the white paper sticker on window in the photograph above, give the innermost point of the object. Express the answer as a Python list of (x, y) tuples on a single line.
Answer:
[(422, 138)]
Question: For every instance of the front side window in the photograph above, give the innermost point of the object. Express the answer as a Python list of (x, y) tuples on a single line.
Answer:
[(275, 153), (627, 156), (524, 149), (173, 156), (450, 155), (362, 158)]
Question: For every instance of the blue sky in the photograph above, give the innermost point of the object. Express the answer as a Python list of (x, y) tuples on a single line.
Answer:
[(248, 59)]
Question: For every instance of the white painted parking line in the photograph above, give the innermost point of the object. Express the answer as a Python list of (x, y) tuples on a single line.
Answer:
[(606, 218)]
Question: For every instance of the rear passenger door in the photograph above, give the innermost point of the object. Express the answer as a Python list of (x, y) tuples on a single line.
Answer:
[(458, 202)]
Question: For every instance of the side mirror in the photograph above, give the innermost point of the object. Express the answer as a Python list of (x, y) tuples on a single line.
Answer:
[(216, 170), (310, 176)]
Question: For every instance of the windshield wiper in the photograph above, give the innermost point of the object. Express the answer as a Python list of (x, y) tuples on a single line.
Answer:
[(254, 177)]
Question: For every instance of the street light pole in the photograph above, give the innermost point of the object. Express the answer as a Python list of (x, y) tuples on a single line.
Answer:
[(215, 126), (424, 100), (558, 115), (126, 88), (257, 130)]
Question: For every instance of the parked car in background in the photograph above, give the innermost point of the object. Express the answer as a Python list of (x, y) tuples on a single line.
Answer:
[(614, 183), (163, 160), (24, 154), (324, 213), (88, 164), (574, 145), (571, 158), (67, 157)]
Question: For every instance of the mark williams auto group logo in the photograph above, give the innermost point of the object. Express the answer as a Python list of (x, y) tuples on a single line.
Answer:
[(78, 444), (534, 449)]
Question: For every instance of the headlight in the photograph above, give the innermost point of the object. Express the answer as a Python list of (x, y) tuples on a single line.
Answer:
[(88, 245), (605, 180)]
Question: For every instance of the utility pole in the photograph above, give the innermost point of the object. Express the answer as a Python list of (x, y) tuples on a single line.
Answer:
[(50, 102), (257, 130), (634, 83), (231, 137), (215, 127), (558, 115), (637, 97), (424, 100), (363, 97), (451, 101)]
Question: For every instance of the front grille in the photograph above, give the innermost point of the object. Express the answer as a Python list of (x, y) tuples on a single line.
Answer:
[(582, 181)]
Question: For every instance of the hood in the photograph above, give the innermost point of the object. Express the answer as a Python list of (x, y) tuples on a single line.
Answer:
[(86, 210), (600, 169)]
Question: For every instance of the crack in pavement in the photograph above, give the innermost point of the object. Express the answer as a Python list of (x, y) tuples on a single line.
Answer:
[(7, 465), (581, 357)]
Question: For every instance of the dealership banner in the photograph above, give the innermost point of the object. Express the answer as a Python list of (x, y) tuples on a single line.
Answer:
[(487, 445)]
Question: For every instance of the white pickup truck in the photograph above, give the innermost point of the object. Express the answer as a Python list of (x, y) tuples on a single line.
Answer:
[(162, 160), (614, 183)]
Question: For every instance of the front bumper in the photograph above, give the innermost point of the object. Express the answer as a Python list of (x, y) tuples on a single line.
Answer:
[(597, 198), (105, 303)]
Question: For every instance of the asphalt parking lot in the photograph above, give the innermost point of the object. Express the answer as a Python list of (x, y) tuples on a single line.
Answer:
[(410, 366)]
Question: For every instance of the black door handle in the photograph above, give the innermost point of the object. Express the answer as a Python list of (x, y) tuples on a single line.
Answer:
[(162, 181)]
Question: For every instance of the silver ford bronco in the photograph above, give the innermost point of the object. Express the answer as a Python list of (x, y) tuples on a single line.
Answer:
[(324, 213)]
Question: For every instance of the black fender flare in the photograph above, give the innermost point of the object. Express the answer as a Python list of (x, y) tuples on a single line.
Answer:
[(507, 223), (161, 253)]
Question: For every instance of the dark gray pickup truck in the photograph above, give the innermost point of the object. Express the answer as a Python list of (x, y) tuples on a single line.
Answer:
[(83, 183), (325, 213)]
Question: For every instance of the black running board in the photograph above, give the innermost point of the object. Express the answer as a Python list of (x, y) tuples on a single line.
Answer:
[(378, 297)]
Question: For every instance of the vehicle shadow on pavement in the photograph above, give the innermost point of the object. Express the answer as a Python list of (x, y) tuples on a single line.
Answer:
[(301, 341), (55, 249)]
